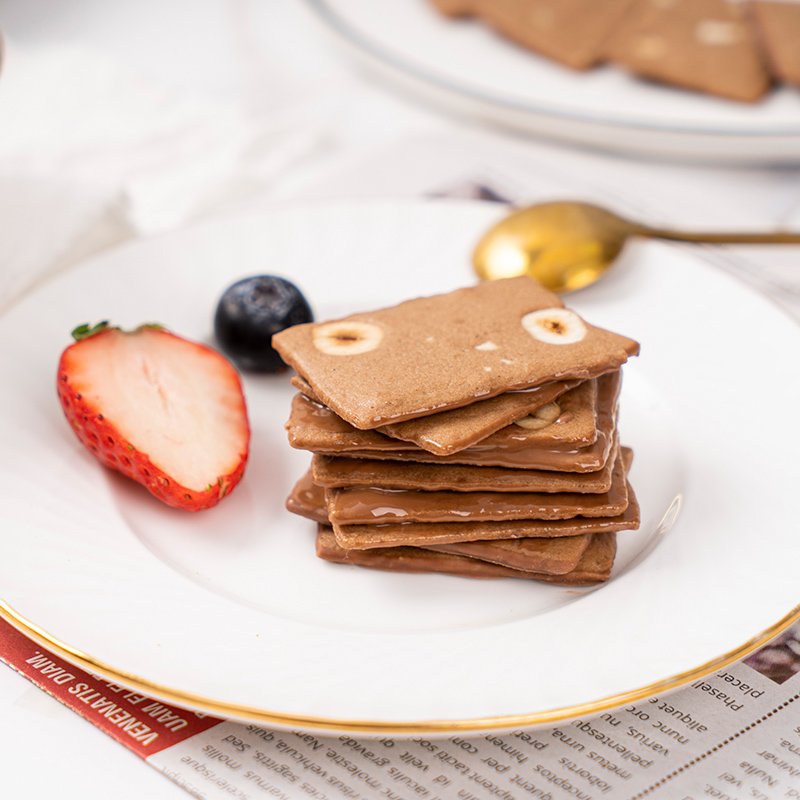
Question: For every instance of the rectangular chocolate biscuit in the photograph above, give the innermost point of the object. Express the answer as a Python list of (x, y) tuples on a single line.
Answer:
[(371, 506), (593, 567), (431, 354), (308, 500), (352, 511), (514, 454), (556, 446), (422, 534), (312, 426), (332, 471), (555, 556), (453, 430)]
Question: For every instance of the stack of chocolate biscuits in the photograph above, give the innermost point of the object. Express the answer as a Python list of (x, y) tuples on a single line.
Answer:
[(736, 49), (472, 433)]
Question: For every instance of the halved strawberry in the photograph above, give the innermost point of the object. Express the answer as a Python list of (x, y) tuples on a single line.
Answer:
[(162, 410)]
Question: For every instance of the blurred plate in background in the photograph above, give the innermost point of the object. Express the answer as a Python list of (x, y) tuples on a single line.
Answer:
[(461, 66)]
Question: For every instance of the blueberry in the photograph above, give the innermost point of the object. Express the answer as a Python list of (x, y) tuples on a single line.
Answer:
[(250, 312)]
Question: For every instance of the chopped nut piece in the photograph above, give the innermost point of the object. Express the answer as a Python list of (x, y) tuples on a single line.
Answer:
[(540, 418)]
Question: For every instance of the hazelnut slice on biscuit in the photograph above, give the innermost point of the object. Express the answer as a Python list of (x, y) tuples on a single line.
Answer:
[(347, 338), (554, 326)]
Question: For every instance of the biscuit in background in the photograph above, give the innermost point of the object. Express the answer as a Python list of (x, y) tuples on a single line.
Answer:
[(455, 8), (706, 45), (571, 32), (777, 25)]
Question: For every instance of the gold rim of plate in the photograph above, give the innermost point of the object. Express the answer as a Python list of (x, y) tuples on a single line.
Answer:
[(244, 713)]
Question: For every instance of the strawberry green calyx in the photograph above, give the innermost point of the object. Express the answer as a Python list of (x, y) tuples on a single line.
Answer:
[(85, 331)]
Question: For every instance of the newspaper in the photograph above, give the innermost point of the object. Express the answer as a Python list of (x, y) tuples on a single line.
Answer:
[(732, 735)]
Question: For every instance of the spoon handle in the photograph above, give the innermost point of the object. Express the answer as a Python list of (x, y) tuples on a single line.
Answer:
[(774, 237)]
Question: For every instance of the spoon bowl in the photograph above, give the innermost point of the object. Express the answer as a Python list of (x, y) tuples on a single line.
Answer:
[(569, 245)]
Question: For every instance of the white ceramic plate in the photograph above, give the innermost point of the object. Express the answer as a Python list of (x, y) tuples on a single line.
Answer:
[(230, 611), (462, 66)]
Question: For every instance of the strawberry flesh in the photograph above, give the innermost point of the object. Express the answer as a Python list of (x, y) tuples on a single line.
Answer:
[(164, 411)]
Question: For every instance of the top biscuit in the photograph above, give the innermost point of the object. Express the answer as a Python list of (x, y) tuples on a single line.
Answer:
[(447, 351)]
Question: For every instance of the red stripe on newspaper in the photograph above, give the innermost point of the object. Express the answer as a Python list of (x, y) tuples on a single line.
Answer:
[(142, 724)]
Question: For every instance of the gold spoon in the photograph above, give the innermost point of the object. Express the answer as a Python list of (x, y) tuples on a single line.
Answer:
[(569, 245)]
